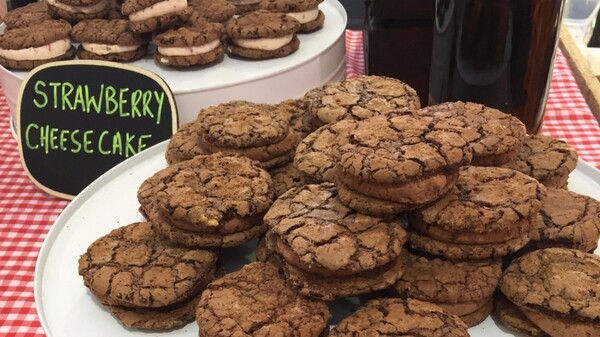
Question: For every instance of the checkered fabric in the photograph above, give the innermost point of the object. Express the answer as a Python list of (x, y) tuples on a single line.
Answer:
[(26, 212)]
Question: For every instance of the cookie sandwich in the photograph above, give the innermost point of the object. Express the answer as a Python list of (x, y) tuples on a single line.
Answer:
[(328, 250), (245, 6), (307, 12), (154, 15), (489, 212), (32, 13), (557, 289), (462, 287), (77, 10), (184, 144), (546, 159), (262, 35), (28, 47), (108, 40), (257, 301), (495, 137), (215, 200), (392, 163), (255, 130), (219, 11), (181, 47), (360, 98), (400, 317), (146, 282)]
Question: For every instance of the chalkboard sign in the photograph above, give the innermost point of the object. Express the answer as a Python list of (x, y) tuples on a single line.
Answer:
[(77, 119)]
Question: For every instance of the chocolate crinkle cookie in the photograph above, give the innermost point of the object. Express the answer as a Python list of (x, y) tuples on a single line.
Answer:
[(400, 317), (146, 282), (209, 201), (557, 289), (546, 159), (495, 137), (360, 98), (257, 301)]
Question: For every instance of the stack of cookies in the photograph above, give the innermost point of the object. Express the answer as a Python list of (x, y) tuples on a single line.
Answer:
[(488, 214), (329, 251), (146, 282), (391, 163)]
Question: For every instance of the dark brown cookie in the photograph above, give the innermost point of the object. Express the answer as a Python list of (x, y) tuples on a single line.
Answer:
[(210, 240), (400, 317), (157, 319), (216, 193), (285, 178), (360, 98), (109, 40), (184, 144), (400, 158), (262, 34), (314, 231), (32, 13), (557, 289), (571, 220), (314, 155), (219, 11), (479, 315), (488, 205), (132, 267), (296, 111), (513, 318), (143, 19), (256, 301), (495, 137), (330, 288), (460, 287), (245, 6), (199, 44), (365, 204), (78, 10), (49, 38), (546, 159), (466, 251), (305, 11), (257, 131)]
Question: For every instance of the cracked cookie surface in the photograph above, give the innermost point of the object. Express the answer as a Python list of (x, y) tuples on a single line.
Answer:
[(216, 193), (132, 267), (546, 159), (486, 205), (438, 280), (400, 317), (360, 98), (314, 231), (184, 144), (495, 137), (256, 301), (400, 148), (314, 155), (560, 282), (571, 220)]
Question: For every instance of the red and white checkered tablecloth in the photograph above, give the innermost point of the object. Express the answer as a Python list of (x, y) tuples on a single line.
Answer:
[(26, 213)]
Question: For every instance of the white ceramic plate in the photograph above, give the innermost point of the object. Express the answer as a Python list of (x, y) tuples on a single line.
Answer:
[(65, 306), (320, 58)]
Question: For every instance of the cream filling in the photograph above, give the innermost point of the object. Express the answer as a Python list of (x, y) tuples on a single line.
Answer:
[(306, 16), (158, 9), (187, 51), (105, 49), (270, 43), (45, 52), (80, 9)]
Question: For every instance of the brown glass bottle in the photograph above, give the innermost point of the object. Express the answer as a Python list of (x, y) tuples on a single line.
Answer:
[(495, 52), (398, 41)]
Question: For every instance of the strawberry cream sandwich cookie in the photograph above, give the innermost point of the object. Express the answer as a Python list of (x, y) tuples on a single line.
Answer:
[(152, 15)]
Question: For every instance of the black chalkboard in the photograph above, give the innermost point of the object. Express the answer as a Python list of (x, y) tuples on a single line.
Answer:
[(77, 119)]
